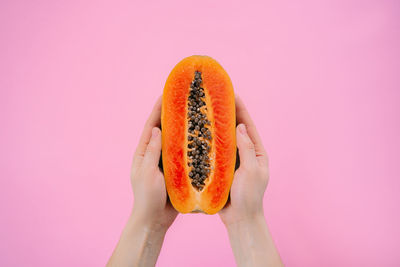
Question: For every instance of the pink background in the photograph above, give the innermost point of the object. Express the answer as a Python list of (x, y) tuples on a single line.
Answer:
[(320, 78)]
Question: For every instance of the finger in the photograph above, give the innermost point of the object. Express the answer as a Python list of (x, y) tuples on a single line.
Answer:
[(153, 149), (243, 116), (246, 147), (154, 120)]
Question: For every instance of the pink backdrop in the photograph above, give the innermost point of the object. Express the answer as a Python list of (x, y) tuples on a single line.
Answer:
[(79, 78)]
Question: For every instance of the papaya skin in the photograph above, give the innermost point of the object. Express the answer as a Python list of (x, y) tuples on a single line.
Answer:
[(220, 102)]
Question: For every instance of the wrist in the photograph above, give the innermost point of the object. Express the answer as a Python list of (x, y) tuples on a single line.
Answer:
[(252, 243), (234, 220), (146, 224), (246, 223), (139, 245)]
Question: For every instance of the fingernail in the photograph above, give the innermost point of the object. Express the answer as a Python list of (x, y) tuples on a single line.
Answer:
[(154, 132), (242, 128)]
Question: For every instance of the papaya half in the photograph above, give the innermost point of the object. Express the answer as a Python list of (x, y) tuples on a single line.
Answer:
[(198, 135)]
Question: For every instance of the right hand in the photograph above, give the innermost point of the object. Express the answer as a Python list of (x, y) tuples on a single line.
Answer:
[(251, 179)]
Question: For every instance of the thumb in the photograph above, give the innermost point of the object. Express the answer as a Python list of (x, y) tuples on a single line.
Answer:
[(153, 149), (246, 147)]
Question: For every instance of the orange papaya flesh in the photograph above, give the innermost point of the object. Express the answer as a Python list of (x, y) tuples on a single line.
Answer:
[(198, 135)]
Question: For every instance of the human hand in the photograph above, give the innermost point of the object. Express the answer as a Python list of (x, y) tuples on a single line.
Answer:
[(152, 214), (151, 206), (243, 216), (251, 179)]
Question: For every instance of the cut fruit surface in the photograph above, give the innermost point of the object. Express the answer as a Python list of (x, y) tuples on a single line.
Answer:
[(198, 135)]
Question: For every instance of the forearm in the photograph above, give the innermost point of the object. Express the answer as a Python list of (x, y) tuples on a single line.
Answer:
[(252, 243), (139, 245)]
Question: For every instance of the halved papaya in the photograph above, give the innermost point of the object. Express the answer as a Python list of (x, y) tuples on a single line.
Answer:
[(198, 135)]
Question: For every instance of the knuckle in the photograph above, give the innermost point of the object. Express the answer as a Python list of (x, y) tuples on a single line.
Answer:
[(249, 145), (150, 148)]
